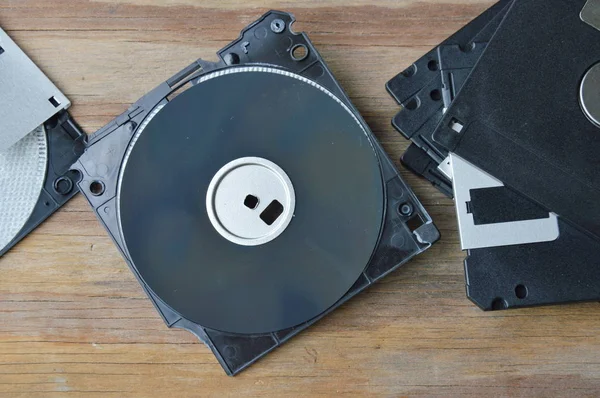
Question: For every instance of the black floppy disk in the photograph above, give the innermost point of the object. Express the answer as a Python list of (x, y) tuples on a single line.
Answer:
[(528, 114), (498, 277)]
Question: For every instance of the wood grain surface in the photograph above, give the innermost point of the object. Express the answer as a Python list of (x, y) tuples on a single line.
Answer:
[(74, 321)]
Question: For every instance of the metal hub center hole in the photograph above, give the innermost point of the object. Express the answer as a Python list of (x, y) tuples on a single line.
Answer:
[(251, 202)]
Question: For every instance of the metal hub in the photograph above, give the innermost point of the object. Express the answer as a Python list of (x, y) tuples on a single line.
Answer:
[(250, 201)]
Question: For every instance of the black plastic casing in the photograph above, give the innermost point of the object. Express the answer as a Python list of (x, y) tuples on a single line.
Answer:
[(270, 42), (66, 142)]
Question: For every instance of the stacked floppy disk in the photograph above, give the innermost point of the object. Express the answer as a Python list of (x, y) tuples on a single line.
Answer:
[(38, 144), (504, 116)]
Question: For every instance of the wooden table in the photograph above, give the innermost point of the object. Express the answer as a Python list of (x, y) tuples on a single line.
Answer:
[(74, 321)]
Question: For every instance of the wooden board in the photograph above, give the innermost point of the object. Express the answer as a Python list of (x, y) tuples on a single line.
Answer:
[(74, 321)]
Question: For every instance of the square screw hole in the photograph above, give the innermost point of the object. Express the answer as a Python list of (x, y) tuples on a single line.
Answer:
[(251, 202), (415, 223)]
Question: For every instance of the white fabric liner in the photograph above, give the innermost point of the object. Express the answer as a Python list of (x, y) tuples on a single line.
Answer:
[(22, 175)]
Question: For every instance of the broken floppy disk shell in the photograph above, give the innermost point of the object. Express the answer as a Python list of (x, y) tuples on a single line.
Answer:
[(525, 246), (249, 197), (38, 144)]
